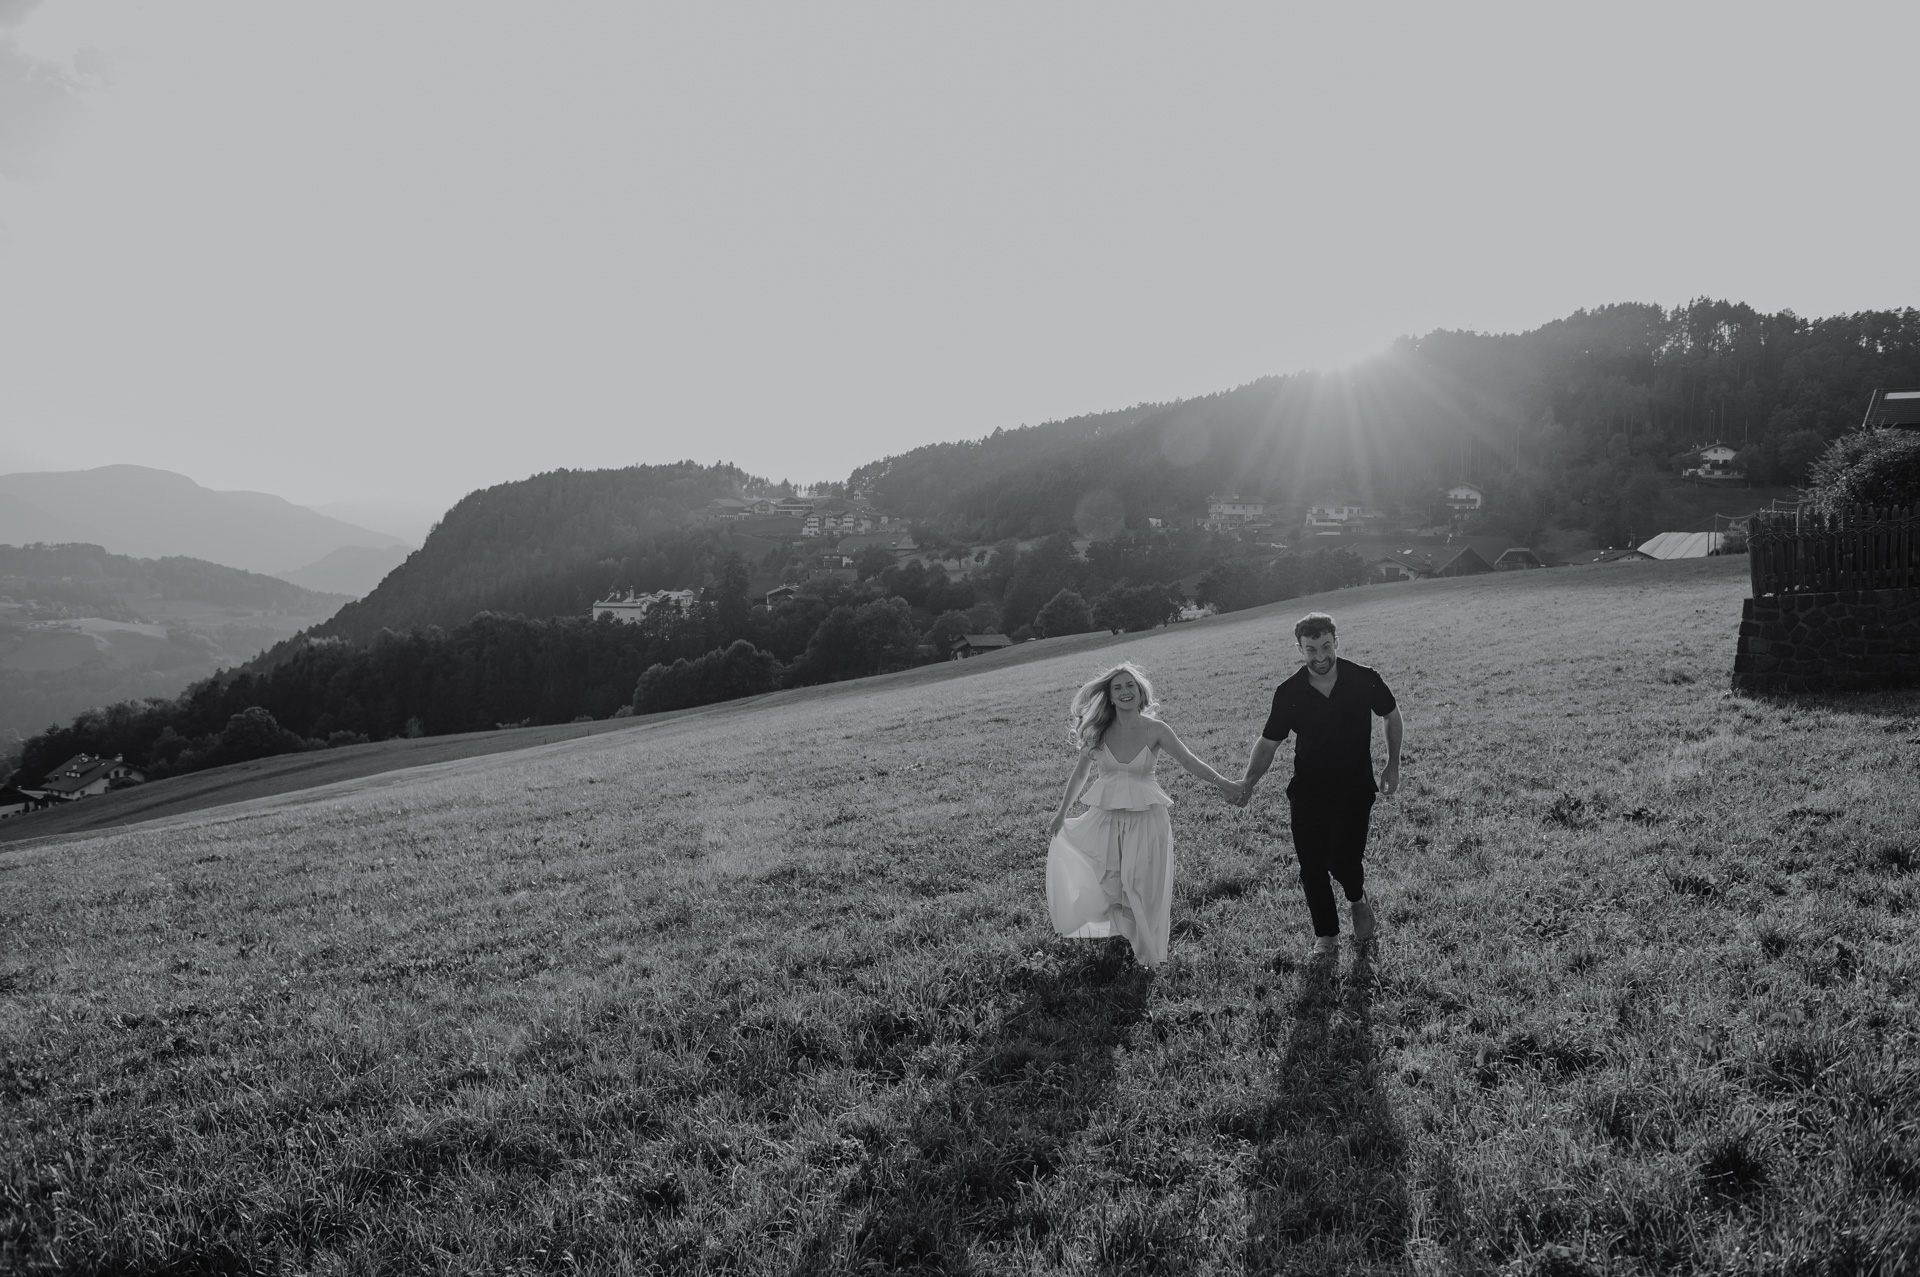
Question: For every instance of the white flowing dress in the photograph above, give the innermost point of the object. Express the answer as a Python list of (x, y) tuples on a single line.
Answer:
[(1110, 869)]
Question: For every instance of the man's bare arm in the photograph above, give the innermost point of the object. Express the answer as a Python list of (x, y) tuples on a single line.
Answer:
[(1390, 778), (1262, 758)]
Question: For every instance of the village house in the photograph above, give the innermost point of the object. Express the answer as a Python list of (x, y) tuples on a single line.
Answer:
[(1715, 461), (781, 593), (1463, 497), (727, 508), (632, 609), (83, 776), (898, 541), (1466, 561), (1517, 558), (1335, 518), (974, 644), (1226, 513), (1381, 571)]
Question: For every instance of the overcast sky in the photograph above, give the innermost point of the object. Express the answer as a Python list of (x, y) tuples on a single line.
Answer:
[(402, 250)]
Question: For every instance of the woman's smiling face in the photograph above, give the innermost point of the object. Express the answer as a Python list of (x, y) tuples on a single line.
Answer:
[(1124, 692)]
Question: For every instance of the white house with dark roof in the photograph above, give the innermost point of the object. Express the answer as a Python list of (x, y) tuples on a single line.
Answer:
[(633, 608), (1716, 461), (1464, 496), (1232, 511), (83, 776)]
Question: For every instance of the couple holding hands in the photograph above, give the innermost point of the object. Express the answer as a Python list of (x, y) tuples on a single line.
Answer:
[(1110, 869)]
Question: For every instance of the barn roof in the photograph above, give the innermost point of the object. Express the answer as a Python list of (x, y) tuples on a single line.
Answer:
[(1683, 545), (1892, 407)]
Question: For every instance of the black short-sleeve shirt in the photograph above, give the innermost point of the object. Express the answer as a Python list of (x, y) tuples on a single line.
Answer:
[(1334, 752)]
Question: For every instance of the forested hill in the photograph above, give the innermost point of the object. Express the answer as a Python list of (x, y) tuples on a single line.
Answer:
[(85, 580), (1566, 425), (545, 546), (1555, 424)]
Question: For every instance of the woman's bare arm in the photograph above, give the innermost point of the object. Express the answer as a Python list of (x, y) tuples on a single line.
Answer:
[(1075, 783), (1169, 740)]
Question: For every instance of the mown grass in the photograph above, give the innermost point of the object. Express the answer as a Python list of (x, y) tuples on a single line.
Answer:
[(774, 992)]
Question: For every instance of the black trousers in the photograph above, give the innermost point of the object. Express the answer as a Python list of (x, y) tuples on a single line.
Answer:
[(1329, 838)]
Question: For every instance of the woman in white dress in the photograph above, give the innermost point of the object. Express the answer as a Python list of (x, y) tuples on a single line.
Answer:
[(1110, 869)]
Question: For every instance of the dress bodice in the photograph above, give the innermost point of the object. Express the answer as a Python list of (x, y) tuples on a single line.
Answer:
[(1128, 786)]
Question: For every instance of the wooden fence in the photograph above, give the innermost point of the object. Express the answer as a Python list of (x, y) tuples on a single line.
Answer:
[(1860, 548)]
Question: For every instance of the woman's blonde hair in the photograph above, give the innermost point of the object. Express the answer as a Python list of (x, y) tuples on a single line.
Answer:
[(1092, 711)]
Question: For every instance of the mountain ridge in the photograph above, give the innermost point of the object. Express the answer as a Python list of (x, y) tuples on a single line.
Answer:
[(149, 513)]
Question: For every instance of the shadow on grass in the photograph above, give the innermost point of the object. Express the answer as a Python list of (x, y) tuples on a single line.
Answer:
[(997, 1123), (1327, 1189), (1897, 705)]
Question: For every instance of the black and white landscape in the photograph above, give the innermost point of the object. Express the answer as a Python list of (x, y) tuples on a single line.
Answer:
[(546, 553)]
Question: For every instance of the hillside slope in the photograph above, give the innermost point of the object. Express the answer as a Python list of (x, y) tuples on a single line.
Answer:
[(1570, 423), (81, 627), (543, 546), (770, 989)]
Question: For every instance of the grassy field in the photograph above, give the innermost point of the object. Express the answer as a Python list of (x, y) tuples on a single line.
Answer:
[(772, 991)]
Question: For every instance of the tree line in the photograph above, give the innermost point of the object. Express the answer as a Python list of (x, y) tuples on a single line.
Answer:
[(499, 670)]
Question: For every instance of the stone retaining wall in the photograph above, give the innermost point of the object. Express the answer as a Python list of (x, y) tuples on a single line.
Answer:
[(1847, 640)]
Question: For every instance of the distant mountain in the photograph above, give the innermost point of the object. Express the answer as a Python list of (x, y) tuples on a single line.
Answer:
[(155, 513), (353, 570), (22, 522), (81, 627)]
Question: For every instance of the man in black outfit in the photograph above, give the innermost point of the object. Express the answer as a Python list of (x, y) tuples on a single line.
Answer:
[(1328, 706)]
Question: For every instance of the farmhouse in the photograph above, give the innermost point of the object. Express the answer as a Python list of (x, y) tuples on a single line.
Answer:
[(1225, 513), (1464, 496), (727, 508), (1715, 461), (781, 593), (1466, 562), (1517, 557), (633, 608), (1334, 517), (1381, 571), (974, 644), (83, 776), (899, 542), (1628, 555)]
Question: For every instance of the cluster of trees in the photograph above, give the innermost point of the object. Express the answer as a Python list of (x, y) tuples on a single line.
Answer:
[(1243, 584)]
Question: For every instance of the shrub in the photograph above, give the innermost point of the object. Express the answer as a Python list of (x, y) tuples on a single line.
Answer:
[(1064, 613), (720, 675), (250, 734), (1135, 607), (1868, 467)]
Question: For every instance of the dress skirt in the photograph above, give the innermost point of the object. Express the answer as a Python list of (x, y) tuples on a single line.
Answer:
[(1110, 873)]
